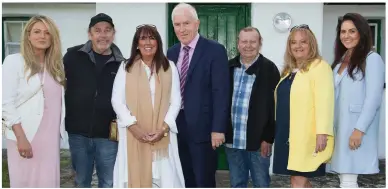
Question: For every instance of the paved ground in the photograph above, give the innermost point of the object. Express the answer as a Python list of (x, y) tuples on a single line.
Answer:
[(222, 178)]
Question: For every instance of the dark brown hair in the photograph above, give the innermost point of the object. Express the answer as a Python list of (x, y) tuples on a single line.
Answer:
[(361, 50), (159, 60)]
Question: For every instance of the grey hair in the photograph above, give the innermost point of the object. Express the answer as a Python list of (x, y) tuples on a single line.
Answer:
[(182, 6)]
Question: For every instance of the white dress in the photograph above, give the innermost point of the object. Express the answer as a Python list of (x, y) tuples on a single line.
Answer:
[(167, 172)]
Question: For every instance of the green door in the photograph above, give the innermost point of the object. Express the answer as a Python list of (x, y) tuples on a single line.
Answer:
[(220, 22)]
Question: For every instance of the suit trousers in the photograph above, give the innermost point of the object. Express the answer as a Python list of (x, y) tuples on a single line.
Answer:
[(199, 160)]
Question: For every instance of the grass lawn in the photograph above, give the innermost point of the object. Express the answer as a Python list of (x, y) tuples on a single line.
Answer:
[(5, 180)]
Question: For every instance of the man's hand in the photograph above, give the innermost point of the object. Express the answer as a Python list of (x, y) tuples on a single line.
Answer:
[(217, 139), (355, 139), (266, 149)]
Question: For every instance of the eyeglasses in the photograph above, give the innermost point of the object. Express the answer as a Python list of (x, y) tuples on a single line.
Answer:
[(304, 26), (150, 25)]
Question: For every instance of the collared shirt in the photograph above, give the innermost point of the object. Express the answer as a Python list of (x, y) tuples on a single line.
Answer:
[(192, 46), (242, 89)]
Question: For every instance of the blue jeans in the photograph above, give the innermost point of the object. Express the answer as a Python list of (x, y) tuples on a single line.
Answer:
[(241, 162), (85, 152)]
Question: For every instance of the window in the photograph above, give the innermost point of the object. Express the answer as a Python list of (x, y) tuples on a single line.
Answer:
[(12, 31), (375, 26)]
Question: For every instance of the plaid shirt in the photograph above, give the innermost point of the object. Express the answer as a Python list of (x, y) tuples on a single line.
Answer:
[(242, 89)]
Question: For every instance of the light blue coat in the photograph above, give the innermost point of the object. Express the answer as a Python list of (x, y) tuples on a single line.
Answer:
[(357, 106)]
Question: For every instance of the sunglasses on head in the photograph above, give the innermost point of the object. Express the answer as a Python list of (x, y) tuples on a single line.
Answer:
[(304, 26), (150, 25)]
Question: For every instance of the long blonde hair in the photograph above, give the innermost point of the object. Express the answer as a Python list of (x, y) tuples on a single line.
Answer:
[(289, 59), (53, 54)]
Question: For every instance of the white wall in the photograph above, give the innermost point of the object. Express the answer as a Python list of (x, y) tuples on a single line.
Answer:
[(330, 19), (274, 43), (127, 16), (72, 19)]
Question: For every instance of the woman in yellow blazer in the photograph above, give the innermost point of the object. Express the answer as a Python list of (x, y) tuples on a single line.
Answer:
[(304, 111)]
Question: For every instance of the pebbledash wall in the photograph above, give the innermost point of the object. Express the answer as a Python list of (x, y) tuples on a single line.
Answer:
[(73, 19)]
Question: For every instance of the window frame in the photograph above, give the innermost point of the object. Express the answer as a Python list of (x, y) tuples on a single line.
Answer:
[(11, 19), (377, 34)]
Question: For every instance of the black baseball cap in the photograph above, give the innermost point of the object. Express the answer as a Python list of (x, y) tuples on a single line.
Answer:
[(101, 17)]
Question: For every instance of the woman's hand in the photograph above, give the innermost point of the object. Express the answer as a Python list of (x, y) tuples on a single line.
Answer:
[(24, 148), (138, 133), (159, 134), (23, 145), (156, 136), (321, 143), (355, 139)]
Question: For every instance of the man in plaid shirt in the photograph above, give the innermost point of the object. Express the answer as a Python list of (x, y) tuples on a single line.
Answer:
[(251, 128)]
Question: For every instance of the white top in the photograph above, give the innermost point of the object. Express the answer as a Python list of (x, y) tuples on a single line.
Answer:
[(151, 80), (166, 172)]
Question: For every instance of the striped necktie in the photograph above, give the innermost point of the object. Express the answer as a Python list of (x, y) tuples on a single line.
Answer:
[(184, 69)]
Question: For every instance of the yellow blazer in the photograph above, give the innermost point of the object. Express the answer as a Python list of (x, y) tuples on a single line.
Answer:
[(311, 113)]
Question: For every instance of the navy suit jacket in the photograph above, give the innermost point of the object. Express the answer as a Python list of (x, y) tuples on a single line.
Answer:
[(206, 94)]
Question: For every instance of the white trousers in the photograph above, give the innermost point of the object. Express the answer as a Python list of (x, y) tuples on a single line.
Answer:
[(348, 180)]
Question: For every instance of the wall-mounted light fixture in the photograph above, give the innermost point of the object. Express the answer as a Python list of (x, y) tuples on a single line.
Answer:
[(282, 22)]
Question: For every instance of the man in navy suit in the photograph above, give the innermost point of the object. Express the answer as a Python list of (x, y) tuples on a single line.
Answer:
[(204, 76)]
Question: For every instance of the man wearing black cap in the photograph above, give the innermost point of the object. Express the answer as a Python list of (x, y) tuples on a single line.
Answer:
[(90, 72)]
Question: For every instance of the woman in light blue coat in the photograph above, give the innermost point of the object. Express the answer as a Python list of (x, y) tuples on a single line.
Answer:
[(359, 84)]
